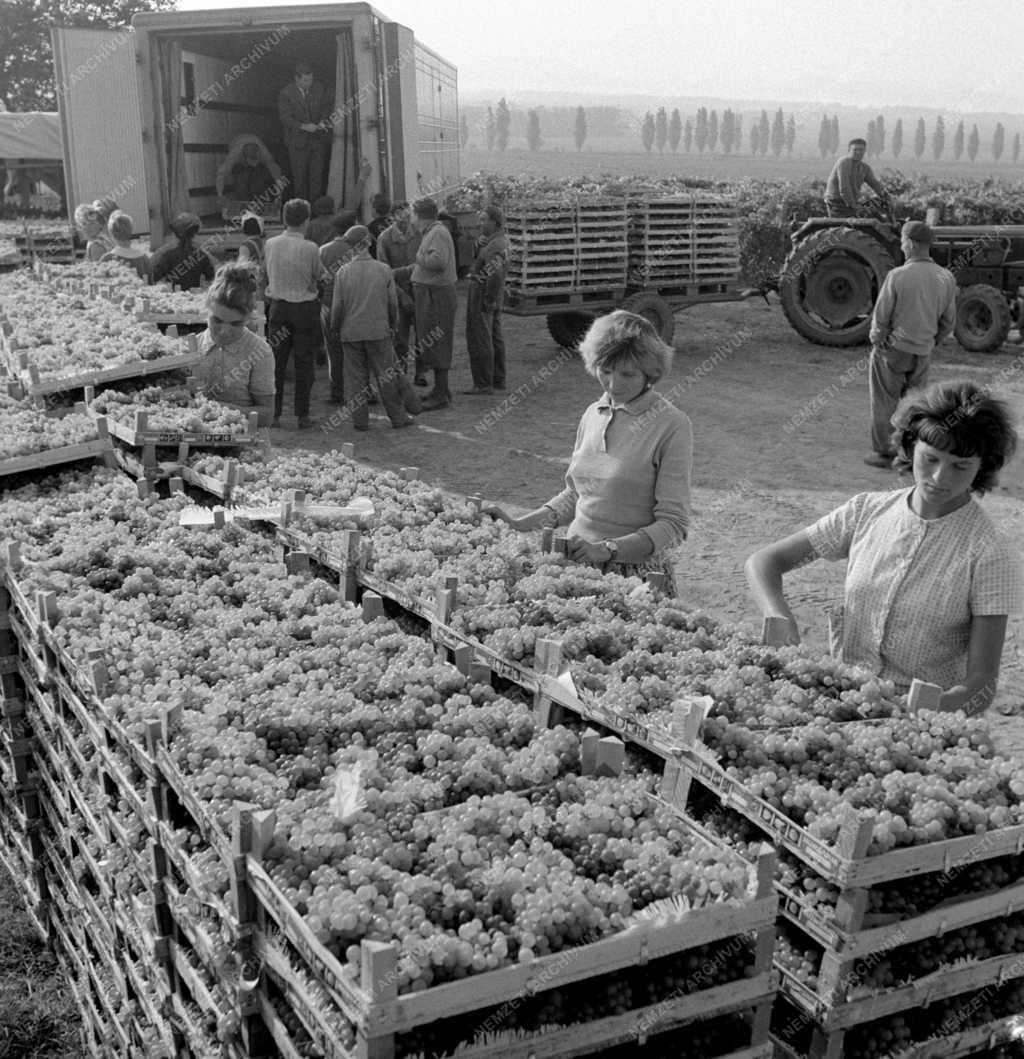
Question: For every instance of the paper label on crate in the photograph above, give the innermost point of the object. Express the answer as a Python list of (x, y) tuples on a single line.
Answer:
[(349, 798)]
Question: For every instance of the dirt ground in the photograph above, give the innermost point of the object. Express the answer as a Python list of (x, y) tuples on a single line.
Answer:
[(780, 429)]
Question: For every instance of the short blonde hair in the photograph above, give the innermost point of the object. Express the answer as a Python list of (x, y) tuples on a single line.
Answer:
[(120, 225), (622, 337), (87, 214)]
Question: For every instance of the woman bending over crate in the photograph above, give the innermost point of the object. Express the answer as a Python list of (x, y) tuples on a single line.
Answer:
[(237, 367), (626, 499), (930, 582)]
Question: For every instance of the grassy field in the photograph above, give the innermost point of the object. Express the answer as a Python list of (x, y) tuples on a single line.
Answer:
[(38, 1017), (563, 160)]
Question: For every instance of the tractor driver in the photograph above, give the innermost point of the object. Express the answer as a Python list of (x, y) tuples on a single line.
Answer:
[(843, 189)]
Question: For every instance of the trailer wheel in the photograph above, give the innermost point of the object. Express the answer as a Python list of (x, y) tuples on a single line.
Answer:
[(982, 319), (567, 329), (656, 310)]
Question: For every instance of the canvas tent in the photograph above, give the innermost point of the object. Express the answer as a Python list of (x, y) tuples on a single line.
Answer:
[(32, 136), (30, 150)]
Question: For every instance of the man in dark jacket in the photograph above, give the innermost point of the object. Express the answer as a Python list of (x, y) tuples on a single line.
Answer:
[(304, 109), (485, 292)]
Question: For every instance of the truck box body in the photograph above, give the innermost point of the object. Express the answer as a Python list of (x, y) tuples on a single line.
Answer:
[(201, 78)]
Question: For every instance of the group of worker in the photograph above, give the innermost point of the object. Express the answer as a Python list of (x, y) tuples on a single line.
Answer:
[(382, 299)]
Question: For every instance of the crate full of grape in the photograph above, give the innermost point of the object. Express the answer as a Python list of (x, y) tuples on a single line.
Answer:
[(156, 416), (495, 994)]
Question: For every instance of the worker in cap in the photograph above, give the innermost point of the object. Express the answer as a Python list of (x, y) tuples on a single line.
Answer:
[(914, 312), (357, 235), (364, 310)]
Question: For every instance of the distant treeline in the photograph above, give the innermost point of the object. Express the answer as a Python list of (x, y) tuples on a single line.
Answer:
[(707, 130)]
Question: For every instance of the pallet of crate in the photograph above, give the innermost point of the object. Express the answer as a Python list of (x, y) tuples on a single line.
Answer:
[(851, 939), (571, 246), (53, 246), (682, 239), (329, 1005), (97, 814), (70, 853)]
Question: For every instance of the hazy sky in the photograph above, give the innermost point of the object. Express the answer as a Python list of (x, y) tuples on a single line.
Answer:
[(959, 55)]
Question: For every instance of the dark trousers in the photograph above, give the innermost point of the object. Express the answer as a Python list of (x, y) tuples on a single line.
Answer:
[(435, 324), (484, 341), (308, 159), (405, 332), (367, 360), (332, 343), (293, 328)]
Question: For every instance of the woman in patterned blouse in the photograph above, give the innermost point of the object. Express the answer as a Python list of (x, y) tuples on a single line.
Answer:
[(930, 582)]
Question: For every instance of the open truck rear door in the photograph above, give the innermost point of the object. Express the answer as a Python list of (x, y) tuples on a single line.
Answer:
[(101, 124)]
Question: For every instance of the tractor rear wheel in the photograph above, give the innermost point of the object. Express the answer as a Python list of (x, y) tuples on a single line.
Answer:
[(982, 318), (654, 309), (567, 329), (829, 285)]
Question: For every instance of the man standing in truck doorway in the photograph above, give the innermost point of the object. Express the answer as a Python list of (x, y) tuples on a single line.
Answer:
[(303, 107)]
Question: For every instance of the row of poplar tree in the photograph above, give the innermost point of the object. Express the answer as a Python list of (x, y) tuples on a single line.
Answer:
[(705, 131), (962, 141)]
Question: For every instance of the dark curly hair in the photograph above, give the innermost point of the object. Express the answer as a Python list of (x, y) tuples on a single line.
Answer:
[(960, 417), (233, 286)]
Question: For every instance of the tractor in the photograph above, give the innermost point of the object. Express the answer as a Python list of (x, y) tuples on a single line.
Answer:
[(835, 270)]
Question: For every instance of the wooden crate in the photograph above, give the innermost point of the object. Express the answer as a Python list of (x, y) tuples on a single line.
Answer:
[(37, 385), (380, 1014), (141, 435), (952, 1045), (224, 488), (845, 863), (37, 463)]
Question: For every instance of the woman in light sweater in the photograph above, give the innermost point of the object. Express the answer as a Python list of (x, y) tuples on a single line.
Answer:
[(626, 499)]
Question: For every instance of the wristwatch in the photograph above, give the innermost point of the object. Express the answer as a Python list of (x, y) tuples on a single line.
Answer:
[(613, 550)]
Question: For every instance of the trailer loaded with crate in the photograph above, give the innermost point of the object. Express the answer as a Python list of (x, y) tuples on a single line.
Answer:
[(573, 259)]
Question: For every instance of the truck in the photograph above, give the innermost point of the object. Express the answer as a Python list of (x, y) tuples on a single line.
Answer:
[(148, 112)]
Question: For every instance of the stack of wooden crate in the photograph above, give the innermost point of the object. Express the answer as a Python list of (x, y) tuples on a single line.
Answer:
[(681, 241), (178, 942), (50, 245), (566, 247), (838, 1010)]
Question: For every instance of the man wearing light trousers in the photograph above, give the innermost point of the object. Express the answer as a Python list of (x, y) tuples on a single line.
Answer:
[(915, 311)]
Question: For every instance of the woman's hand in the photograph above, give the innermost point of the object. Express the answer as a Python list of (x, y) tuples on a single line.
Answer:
[(588, 551), (501, 515)]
